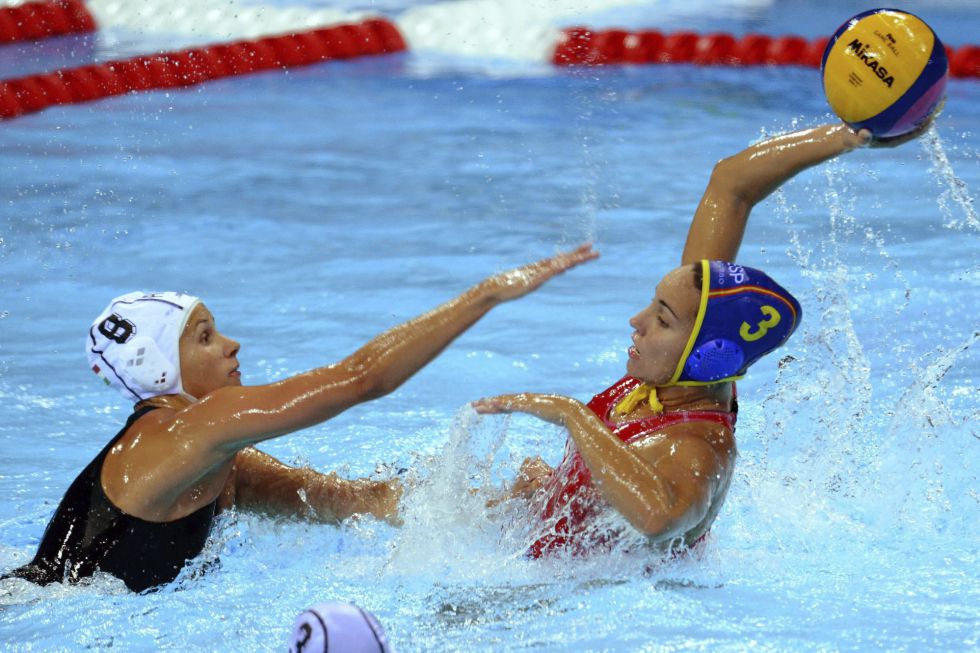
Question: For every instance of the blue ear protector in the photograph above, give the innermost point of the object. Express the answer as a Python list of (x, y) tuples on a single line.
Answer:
[(743, 315), (714, 359)]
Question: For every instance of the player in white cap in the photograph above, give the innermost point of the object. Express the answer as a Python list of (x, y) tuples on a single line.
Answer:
[(145, 504)]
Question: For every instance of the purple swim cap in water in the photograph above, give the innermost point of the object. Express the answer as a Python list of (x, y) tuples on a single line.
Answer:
[(337, 627), (743, 315)]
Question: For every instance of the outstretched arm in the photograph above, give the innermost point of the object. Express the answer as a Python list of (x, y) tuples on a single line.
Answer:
[(178, 447), (261, 483), (741, 181), (662, 496), (234, 417)]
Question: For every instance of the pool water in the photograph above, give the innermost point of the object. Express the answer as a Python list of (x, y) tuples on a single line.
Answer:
[(314, 209)]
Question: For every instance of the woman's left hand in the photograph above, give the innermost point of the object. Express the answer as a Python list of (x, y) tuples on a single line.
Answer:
[(551, 408)]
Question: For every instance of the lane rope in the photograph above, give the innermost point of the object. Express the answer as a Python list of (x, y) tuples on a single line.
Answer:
[(576, 46), (33, 21), (193, 66), (583, 46)]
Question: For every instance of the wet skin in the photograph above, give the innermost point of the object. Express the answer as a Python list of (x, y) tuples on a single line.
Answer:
[(671, 483), (197, 448)]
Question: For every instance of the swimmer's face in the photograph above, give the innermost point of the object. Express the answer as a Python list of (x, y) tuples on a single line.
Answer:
[(662, 329), (208, 360)]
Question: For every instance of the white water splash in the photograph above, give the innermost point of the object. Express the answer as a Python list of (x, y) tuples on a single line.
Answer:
[(445, 529), (450, 533), (867, 461), (910, 475), (956, 193)]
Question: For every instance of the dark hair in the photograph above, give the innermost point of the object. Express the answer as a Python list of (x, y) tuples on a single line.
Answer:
[(698, 276)]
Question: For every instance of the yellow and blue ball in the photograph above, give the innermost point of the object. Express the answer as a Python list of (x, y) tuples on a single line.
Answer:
[(884, 70)]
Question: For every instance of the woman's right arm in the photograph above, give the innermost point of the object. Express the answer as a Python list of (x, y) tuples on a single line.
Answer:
[(232, 418), (741, 181)]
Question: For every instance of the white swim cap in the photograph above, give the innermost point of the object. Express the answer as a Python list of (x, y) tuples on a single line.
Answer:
[(337, 628), (134, 345)]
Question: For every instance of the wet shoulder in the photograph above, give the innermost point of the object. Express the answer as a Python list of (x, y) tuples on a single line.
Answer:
[(692, 434), (145, 427)]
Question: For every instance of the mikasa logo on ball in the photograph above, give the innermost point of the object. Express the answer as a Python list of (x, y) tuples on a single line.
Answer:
[(861, 50)]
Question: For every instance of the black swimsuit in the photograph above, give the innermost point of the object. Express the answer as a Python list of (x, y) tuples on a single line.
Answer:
[(88, 534)]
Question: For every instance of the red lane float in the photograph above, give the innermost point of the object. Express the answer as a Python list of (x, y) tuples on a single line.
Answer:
[(196, 65), (577, 46), (582, 46), (40, 20)]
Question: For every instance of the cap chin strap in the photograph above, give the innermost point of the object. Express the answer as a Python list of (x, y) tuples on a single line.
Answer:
[(702, 309), (180, 331), (642, 392), (695, 332)]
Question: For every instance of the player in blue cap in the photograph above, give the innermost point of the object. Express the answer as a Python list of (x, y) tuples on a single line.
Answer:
[(658, 446)]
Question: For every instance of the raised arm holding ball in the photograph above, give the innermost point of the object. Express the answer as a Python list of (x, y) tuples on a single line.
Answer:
[(658, 446)]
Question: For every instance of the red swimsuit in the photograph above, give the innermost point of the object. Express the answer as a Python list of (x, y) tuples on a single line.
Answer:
[(573, 502)]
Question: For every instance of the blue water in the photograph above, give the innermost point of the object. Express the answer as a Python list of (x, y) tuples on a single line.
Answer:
[(314, 209)]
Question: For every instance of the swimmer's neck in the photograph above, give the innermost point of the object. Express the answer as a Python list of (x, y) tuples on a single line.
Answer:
[(702, 397), (173, 402)]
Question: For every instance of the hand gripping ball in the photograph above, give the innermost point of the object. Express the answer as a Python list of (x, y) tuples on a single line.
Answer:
[(884, 70)]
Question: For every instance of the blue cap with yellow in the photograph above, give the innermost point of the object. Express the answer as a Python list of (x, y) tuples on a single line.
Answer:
[(743, 315)]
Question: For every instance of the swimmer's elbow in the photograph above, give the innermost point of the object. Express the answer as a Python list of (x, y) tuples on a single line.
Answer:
[(379, 381), (675, 521), (656, 527), (367, 377), (724, 176), (728, 178), (657, 530)]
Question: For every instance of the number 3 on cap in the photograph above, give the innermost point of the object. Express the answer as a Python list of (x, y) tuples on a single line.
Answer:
[(772, 319)]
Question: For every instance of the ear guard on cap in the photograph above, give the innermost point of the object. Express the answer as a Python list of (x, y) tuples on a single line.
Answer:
[(742, 316), (134, 344), (146, 365), (715, 359)]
